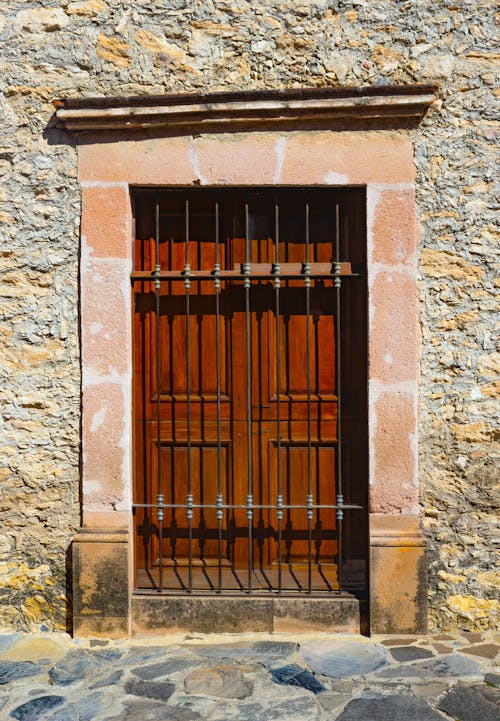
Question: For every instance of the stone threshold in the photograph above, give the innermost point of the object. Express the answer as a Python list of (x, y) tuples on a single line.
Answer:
[(401, 104), (229, 614)]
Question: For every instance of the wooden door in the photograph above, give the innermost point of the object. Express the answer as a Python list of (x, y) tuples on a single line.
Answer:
[(291, 410)]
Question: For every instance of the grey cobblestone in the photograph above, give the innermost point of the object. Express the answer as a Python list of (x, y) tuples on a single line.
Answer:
[(186, 681)]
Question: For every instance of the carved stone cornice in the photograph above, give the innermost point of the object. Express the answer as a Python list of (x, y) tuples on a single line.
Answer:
[(346, 108)]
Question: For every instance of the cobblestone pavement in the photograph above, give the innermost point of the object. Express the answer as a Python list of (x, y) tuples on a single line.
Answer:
[(51, 677)]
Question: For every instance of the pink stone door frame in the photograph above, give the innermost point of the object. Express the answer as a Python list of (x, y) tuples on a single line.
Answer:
[(381, 161)]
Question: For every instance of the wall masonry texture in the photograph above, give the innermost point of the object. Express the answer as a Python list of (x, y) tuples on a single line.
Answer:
[(94, 47)]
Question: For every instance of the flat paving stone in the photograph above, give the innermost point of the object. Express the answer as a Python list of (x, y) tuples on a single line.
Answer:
[(296, 709), (410, 653), (487, 650), (108, 680), (16, 670), (389, 708), (220, 681), (262, 651), (201, 704), (451, 666), (105, 655), (72, 668), (7, 640), (159, 690), (493, 679), (154, 711), (442, 648), (293, 675), (430, 690), (397, 641), (35, 648), (343, 659), (34, 709), (472, 636), (146, 655), (472, 703), (333, 701), (164, 668), (85, 709), (252, 678)]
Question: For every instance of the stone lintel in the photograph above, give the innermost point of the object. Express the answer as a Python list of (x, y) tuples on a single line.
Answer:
[(406, 104), (228, 614)]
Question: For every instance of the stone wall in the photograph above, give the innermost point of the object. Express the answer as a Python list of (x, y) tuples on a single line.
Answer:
[(54, 49)]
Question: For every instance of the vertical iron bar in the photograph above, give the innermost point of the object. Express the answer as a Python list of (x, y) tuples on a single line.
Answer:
[(189, 511), (159, 499), (340, 497), (217, 365), (248, 330), (277, 283), (307, 283)]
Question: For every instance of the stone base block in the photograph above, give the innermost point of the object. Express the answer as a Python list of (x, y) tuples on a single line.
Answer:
[(226, 614), (100, 584), (398, 576)]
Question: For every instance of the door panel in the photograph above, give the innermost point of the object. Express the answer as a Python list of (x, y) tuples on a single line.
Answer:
[(179, 414)]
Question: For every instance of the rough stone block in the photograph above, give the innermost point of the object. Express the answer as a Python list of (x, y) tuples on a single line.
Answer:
[(101, 587), (398, 589), (298, 615), (204, 615)]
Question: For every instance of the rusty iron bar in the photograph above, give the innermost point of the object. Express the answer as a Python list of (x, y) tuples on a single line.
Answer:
[(156, 273), (338, 373), (307, 282), (220, 512), (257, 506), (256, 271), (277, 284), (248, 334), (189, 501)]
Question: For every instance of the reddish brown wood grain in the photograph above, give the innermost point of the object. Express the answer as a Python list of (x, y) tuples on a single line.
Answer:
[(293, 396)]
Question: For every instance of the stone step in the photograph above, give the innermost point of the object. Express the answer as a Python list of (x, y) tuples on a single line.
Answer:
[(342, 613)]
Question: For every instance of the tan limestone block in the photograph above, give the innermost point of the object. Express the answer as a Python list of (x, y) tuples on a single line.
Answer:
[(86, 7), (394, 230), (393, 488), (394, 332), (105, 312), (105, 221), (105, 434), (101, 586), (113, 50), (108, 520), (400, 526), (238, 159), (443, 264), (148, 161), (398, 590), (347, 158)]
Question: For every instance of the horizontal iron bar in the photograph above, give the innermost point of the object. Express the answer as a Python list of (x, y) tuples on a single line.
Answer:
[(237, 592), (258, 271), (173, 276), (346, 507)]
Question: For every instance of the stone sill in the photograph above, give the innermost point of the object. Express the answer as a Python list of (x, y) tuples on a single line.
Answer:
[(228, 614), (352, 108)]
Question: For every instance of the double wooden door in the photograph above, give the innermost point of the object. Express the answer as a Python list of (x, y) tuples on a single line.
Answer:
[(199, 359)]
